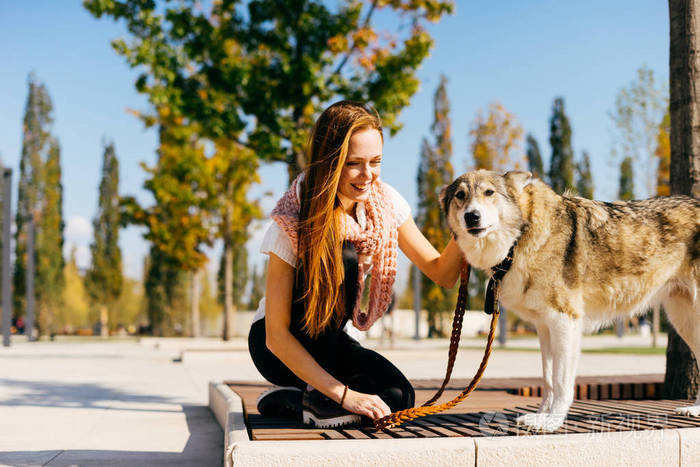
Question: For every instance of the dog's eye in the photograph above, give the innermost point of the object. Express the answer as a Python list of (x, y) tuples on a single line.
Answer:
[(488, 192), (460, 195)]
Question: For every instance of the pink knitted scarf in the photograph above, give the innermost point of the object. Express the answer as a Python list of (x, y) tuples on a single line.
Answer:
[(379, 239)]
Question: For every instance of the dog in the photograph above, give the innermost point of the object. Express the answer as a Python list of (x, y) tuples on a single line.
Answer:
[(577, 264)]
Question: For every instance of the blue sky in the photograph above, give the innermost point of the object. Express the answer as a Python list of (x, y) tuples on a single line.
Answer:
[(521, 53)]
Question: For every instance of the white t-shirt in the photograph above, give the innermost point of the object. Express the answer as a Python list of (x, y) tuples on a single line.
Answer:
[(277, 242)]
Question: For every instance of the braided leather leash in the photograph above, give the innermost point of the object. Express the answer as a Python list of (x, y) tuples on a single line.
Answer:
[(490, 307)]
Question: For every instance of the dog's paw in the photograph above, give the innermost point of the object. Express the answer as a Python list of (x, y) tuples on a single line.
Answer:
[(541, 422), (691, 410)]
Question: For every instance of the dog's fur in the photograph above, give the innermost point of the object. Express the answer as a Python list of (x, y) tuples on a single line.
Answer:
[(578, 263)]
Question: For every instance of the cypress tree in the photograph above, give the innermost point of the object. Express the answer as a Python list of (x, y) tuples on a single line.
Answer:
[(104, 278), (584, 183), (434, 171), (36, 141), (49, 244), (626, 191), (534, 158), (164, 285), (561, 169)]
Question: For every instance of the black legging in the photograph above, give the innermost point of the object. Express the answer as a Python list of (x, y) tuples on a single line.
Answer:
[(340, 355)]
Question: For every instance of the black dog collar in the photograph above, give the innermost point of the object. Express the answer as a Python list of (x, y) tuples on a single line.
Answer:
[(497, 274)]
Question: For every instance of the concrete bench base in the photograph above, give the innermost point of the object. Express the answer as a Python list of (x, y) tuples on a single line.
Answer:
[(654, 447)]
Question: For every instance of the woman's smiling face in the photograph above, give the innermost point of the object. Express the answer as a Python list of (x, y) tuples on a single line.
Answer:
[(362, 167)]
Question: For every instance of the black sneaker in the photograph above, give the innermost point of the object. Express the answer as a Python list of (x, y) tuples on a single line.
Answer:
[(322, 412), (280, 401)]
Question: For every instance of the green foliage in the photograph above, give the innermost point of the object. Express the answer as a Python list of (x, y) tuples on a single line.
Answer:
[(104, 278), (626, 191), (180, 221), (75, 312), (584, 180), (49, 244), (128, 307), (208, 304), (495, 138), (36, 143), (534, 158), (561, 169), (434, 171), (265, 69), (164, 289), (639, 107)]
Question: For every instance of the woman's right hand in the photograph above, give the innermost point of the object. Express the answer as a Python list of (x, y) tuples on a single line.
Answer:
[(369, 405)]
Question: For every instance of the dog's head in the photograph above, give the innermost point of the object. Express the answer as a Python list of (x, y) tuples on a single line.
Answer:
[(482, 211)]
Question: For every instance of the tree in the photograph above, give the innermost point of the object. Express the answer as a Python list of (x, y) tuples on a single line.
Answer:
[(241, 276), (534, 158), (209, 305), (257, 289), (682, 378), (104, 278), (561, 168), (235, 170), (584, 181), (495, 137), (36, 143), (181, 221), (162, 285), (434, 171), (128, 307), (76, 308), (49, 244), (260, 72), (663, 152), (626, 191), (639, 108)]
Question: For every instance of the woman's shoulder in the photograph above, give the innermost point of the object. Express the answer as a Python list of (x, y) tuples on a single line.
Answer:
[(401, 206)]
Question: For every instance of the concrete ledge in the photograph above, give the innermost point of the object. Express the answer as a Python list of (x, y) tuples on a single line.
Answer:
[(690, 446), (656, 447), (228, 410), (653, 447)]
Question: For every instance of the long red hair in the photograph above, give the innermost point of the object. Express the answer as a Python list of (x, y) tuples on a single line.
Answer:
[(321, 214)]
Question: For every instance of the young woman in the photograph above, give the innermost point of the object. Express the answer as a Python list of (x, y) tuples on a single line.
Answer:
[(337, 223)]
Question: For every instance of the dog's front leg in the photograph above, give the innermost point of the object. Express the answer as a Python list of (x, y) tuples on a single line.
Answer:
[(547, 363), (559, 359)]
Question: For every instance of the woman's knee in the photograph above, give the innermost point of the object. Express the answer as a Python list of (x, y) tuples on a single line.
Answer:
[(399, 397)]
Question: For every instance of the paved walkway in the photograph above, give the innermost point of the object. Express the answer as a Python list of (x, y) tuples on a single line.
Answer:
[(145, 403), (102, 404)]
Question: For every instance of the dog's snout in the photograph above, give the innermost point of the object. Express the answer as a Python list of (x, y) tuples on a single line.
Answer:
[(472, 218)]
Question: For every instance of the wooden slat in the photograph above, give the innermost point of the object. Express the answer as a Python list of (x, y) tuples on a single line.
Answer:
[(493, 408)]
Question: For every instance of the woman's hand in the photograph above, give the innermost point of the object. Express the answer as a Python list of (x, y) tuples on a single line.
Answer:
[(369, 405)]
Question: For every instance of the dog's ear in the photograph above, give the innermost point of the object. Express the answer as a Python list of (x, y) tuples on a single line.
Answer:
[(518, 179), (444, 202)]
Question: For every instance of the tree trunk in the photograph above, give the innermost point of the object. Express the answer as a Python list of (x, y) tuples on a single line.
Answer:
[(228, 289), (681, 380), (104, 321), (194, 302)]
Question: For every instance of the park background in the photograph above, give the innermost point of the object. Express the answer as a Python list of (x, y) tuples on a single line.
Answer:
[(523, 55)]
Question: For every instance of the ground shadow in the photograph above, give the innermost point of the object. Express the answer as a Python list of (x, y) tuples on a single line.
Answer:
[(79, 395), (204, 447)]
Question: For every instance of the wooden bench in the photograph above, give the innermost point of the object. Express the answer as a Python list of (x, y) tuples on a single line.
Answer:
[(604, 404)]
